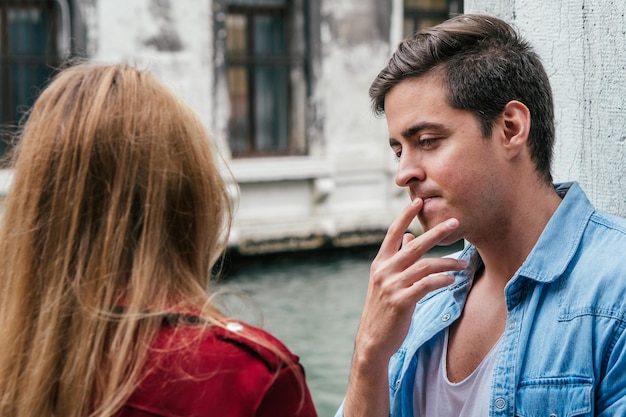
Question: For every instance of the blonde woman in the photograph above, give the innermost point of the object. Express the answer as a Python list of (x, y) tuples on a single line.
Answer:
[(116, 216)]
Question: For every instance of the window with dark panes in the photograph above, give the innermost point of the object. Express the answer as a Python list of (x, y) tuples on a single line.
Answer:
[(29, 52), (420, 14), (260, 61)]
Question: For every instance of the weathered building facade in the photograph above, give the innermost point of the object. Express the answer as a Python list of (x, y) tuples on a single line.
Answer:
[(282, 85)]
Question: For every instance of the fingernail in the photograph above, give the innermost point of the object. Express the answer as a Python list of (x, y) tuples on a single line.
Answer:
[(452, 223), (415, 202)]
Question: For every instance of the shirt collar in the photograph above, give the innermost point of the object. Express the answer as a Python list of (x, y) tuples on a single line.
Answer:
[(561, 237)]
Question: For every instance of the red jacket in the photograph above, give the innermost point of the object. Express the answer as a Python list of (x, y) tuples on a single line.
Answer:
[(218, 372)]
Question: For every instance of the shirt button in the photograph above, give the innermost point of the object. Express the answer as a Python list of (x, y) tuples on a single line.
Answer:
[(500, 403), (445, 317), (513, 325)]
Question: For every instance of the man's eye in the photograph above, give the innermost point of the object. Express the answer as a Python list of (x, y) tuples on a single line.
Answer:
[(427, 142), (397, 155)]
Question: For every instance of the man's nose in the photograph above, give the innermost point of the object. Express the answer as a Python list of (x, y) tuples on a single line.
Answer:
[(409, 170)]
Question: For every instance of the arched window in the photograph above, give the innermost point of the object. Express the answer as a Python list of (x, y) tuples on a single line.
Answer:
[(34, 36)]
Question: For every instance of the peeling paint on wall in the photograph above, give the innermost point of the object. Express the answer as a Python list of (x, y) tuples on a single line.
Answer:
[(355, 22), (166, 39)]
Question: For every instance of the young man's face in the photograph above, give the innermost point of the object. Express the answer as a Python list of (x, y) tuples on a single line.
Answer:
[(443, 158)]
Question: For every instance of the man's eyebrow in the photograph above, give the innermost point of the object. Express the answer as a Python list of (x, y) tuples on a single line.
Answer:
[(414, 130)]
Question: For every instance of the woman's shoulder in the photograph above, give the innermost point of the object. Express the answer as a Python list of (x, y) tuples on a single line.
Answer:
[(225, 370), (257, 341), (233, 340)]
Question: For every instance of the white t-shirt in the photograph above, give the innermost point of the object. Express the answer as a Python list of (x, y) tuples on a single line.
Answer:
[(435, 396)]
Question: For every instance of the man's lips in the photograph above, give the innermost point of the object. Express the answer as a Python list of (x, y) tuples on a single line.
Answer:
[(425, 199), (426, 202), (426, 195)]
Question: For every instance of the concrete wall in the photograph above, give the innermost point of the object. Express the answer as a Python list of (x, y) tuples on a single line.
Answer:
[(582, 44)]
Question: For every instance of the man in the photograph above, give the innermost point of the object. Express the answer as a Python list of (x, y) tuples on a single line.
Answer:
[(531, 319)]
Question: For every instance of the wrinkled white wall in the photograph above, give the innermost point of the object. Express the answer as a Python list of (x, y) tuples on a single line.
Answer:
[(582, 44)]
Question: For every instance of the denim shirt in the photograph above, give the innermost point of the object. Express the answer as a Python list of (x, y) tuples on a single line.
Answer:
[(563, 350)]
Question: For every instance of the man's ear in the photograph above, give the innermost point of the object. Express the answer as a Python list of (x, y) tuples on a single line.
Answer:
[(515, 126)]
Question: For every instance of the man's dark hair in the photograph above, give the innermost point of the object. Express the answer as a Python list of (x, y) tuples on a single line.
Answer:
[(485, 64)]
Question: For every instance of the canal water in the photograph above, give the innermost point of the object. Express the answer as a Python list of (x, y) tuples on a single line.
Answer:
[(313, 304)]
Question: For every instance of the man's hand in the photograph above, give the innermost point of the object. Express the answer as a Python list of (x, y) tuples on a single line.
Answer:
[(399, 278)]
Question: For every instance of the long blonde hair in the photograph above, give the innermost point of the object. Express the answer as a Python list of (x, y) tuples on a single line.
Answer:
[(117, 201)]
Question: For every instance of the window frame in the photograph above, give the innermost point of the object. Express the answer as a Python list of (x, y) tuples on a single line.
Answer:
[(293, 63), (57, 13), (415, 14)]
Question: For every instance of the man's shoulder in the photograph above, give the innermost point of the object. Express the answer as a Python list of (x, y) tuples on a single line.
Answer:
[(596, 276), (612, 223), (604, 240)]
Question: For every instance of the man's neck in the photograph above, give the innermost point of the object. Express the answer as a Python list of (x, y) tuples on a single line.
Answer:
[(504, 251)]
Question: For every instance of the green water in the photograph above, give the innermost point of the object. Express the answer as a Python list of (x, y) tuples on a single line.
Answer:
[(313, 304)]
